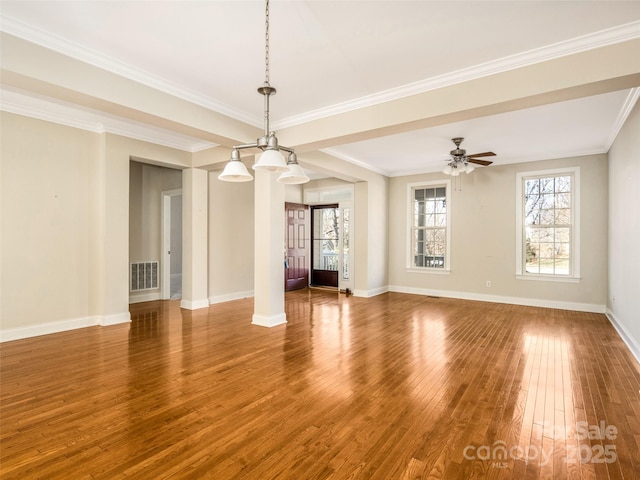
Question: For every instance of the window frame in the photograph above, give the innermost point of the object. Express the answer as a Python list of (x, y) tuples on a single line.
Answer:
[(410, 266), (574, 244)]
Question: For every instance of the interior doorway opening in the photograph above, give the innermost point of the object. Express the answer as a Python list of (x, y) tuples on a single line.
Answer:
[(153, 189), (172, 244)]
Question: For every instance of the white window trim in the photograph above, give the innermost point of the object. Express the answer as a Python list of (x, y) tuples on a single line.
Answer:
[(521, 273), (409, 243)]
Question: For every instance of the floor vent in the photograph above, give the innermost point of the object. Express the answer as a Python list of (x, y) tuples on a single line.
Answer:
[(144, 276)]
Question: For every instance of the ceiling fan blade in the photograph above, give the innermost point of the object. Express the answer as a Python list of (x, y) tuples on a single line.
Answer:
[(483, 154), (484, 163)]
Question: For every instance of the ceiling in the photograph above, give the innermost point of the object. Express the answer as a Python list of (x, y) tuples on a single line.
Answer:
[(331, 57)]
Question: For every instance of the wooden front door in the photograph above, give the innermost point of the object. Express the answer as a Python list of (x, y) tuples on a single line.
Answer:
[(297, 239)]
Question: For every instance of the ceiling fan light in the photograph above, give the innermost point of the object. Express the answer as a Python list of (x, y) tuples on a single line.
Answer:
[(271, 160), (447, 170), (235, 171), (469, 168), (455, 172)]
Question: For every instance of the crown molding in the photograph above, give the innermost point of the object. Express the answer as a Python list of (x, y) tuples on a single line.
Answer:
[(603, 38), (95, 121), (576, 45), (355, 161), (624, 113), (58, 44)]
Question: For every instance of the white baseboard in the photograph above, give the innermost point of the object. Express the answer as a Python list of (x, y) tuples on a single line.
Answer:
[(20, 333), (228, 297), (143, 297), (371, 293), (530, 302), (627, 338), (194, 304), (114, 319), (271, 321)]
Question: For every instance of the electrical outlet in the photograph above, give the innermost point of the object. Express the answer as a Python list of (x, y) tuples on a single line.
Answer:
[(488, 283)]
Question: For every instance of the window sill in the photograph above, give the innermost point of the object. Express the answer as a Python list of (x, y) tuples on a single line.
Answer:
[(547, 278), (436, 271)]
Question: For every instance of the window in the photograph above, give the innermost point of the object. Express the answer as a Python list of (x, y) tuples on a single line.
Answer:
[(429, 226), (548, 224)]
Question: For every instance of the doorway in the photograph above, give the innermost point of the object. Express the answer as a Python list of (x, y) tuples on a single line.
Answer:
[(331, 227), (172, 244)]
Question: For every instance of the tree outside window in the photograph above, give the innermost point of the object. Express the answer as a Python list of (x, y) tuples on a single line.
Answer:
[(548, 224), (429, 227)]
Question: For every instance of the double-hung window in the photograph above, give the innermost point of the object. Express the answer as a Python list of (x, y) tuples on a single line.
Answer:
[(548, 225), (429, 220)]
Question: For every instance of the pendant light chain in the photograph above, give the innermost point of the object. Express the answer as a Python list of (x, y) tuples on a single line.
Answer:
[(271, 159), (266, 43)]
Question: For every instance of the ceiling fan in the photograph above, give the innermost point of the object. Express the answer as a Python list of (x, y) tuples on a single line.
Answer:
[(461, 162)]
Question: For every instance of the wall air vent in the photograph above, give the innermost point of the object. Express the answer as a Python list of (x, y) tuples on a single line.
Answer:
[(144, 276)]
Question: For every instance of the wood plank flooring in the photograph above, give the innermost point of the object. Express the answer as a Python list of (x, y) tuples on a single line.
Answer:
[(392, 387)]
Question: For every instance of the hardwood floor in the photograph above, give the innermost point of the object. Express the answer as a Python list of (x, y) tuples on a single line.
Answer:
[(393, 387)]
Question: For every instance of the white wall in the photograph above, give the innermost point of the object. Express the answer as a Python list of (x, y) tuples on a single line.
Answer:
[(623, 302), (176, 234), (483, 229)]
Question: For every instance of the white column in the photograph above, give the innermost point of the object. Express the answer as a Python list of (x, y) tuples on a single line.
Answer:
[(269, 251), (195, 288)]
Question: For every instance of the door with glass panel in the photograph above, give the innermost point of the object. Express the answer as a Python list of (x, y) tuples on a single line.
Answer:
[(325, 225), (331, 265)]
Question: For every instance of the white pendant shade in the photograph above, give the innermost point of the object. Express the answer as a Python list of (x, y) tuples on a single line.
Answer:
[(235, 171), (294, 176), (271, 160), (469, 168), (447, 170)]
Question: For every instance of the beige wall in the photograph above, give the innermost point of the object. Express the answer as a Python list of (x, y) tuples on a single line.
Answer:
[(146, 184), (113, 199), (483, 230), (65, 225), (293, 193), (231, 239), (624, 231), (65, 235), (47, 221)]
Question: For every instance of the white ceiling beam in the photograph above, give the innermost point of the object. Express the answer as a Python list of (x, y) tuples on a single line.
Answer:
[(34, 68), (600, 70)]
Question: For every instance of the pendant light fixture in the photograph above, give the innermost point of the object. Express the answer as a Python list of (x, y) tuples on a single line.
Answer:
[(271, 158)]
